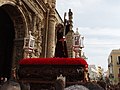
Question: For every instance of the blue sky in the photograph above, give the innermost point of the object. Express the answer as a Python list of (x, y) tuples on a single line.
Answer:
[(99, 22)]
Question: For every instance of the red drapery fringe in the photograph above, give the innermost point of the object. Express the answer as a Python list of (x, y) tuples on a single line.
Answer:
[(53, 61)]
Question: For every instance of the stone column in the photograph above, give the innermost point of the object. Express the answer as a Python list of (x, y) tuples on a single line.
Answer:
[(51, 34)]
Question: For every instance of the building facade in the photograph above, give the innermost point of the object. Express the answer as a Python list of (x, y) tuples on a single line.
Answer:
[(93, 72), (100, 73), (17, 19), (114, 66)]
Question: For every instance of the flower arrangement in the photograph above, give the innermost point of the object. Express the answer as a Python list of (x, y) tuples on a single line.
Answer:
[(53, 61)]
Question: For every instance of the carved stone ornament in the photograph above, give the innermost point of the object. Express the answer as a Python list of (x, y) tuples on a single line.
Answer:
[(53, 3), (38, 36)]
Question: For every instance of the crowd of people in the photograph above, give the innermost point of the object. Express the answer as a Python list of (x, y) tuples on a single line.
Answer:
[(113, 87), (2, 80), (101, 85), (90, 85)]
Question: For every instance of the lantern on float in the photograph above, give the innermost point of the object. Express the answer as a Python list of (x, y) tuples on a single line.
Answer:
[(29, 42), (77, 43)]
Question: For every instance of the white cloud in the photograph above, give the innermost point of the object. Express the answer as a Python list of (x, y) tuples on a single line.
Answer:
[(89, 5), (99, 42), (104, 31)]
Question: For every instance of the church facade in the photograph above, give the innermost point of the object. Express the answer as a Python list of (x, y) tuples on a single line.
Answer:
[(17, 18)]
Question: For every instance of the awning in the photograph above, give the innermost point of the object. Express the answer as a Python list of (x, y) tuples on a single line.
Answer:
[(53, 61)]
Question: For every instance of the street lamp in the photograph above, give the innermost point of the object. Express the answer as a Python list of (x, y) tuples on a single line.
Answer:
[(29, 42)]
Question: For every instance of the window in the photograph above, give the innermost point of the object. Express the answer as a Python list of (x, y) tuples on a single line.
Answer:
[(111, 70), (111, 59), (119, 73), (118, 60)]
